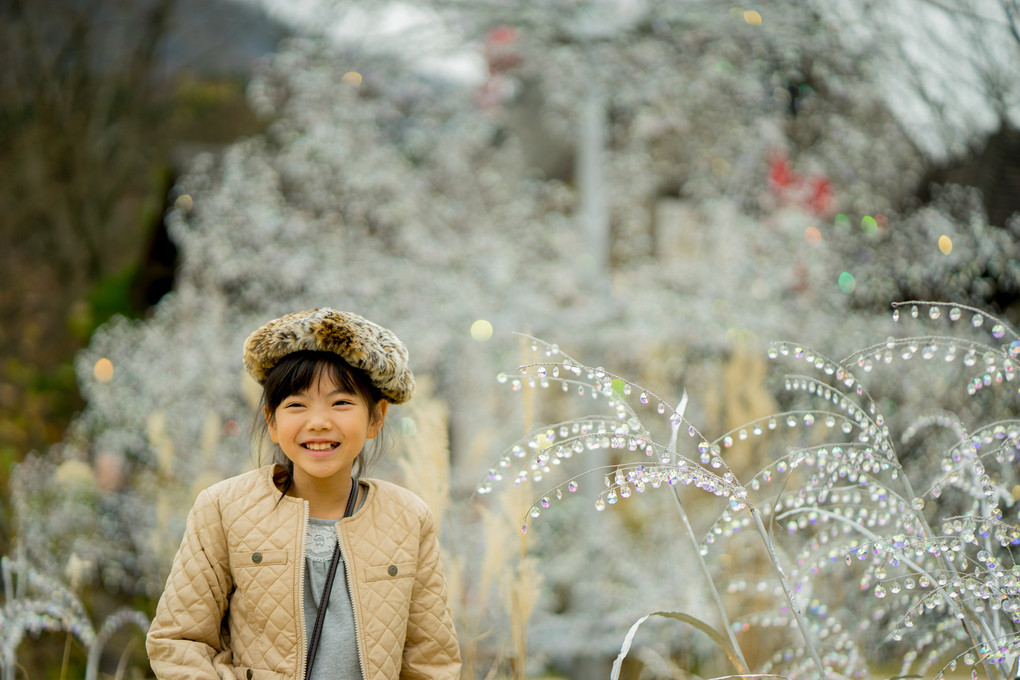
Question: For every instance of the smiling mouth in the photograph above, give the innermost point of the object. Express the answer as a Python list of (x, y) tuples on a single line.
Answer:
[(320, 446)]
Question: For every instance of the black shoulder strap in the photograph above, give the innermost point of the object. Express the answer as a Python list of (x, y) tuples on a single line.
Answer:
[(327, 589)]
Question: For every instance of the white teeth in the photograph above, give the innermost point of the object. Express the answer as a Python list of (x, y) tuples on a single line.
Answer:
[(319, 447)]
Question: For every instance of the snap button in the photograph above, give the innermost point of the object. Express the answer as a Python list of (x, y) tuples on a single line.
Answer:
[(392, 570), (256, 558), (250, 674)]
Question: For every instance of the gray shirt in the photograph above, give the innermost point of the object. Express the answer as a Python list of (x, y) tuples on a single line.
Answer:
[(337, 656)]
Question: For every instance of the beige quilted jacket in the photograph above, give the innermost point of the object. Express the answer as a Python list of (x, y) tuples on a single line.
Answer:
[(233, 605)]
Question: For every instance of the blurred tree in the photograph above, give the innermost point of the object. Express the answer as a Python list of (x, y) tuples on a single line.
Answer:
[(80, 99), (92, 109), (81, 177), (101, 104)]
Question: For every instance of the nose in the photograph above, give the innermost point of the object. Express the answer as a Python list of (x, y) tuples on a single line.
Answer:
[(318, 420)]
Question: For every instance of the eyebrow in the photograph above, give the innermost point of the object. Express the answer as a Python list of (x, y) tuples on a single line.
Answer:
[(339, 391)]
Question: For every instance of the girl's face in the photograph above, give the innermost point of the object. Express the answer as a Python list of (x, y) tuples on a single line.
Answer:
[(322, 429)]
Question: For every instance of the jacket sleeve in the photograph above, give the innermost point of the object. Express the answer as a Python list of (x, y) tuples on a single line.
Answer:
[(431, 651), (184, 641)]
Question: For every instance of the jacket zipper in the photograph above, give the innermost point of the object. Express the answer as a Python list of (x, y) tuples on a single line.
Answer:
[(300, 566), (354, 608)]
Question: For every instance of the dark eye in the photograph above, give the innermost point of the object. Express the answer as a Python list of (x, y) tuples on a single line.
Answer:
[(342, 402)]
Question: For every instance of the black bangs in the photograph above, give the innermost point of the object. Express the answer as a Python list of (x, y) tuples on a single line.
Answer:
[(298, 371)]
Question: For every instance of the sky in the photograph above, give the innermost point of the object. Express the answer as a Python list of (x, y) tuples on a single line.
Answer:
[(385, 22)]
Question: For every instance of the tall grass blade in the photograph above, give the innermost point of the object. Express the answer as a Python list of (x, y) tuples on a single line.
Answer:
[(714, 635)]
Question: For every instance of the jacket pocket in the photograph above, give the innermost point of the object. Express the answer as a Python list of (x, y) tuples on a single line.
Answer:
[(264, 581), (258, 558), (386, 572)]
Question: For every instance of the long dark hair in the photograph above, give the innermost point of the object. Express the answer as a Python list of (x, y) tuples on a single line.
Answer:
[(295, 373)]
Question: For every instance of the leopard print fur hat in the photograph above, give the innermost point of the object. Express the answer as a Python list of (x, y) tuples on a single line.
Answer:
[(361, 343)]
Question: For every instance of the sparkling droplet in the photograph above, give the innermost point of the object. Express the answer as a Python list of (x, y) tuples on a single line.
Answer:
[(934, 313), (917, 503), (572, 487)]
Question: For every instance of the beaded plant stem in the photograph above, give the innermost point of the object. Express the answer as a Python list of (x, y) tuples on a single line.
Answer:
[(675, 431), (111, 624), (847, 486), (785, 582), (917, 568), (968, 620), (676, 418), (708, 579)]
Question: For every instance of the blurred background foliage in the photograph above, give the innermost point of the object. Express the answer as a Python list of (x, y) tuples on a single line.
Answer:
[(101, 105), (586, 168)]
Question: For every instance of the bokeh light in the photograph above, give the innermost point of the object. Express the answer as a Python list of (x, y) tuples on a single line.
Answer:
[(352, 78), (103, 370), (232, 428), (481, 330), (846, 282), (184, 203), (813, 237), (869, 225), (945, 244), (752, 17)]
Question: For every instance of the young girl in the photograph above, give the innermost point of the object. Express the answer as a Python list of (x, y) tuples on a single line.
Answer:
[(300, 569)]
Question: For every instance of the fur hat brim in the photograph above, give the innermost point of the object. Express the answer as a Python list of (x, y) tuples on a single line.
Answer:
[(361, 343)]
